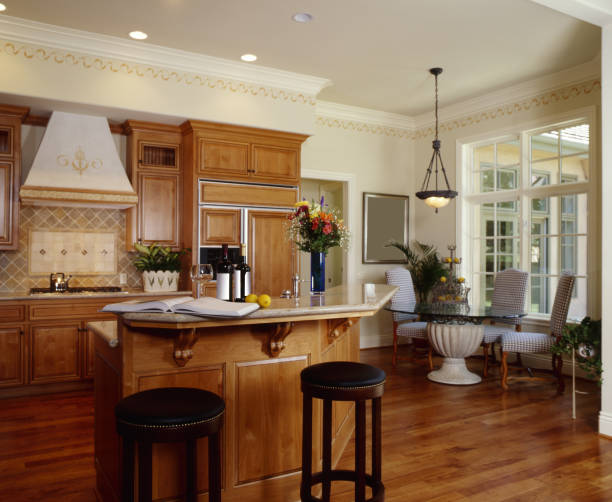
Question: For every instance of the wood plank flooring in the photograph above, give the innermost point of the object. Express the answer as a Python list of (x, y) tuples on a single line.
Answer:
[(440, 443)]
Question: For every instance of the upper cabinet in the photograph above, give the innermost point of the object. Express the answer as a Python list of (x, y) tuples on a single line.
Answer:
[(11, 118), (155, 171), (236, 153)]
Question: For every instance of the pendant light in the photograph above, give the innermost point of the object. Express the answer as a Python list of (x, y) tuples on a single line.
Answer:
[(438, 196)]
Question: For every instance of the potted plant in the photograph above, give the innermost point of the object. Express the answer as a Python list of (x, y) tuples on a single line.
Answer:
[(424, 265), (160, 267), (585, 339)]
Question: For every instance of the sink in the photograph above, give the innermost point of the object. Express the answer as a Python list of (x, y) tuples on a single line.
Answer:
[(92, 289)]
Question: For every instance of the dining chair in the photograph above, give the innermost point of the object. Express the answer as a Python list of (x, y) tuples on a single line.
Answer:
[(407, 325), (539, 343), (509, 292)]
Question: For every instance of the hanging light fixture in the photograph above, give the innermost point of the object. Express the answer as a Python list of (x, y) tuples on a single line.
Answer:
[(438, 196)]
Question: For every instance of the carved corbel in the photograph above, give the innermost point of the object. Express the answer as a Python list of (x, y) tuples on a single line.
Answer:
[(339, 328), (183, 346), (275, 342)]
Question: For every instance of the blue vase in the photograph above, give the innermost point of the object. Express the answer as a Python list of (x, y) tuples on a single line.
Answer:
[(317, 273)]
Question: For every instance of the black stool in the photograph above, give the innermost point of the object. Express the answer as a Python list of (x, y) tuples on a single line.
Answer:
[(169, 415), (342, 381)]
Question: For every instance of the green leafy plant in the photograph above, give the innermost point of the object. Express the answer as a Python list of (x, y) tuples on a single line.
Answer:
[(424, 265), (585, 339), (155, 257)]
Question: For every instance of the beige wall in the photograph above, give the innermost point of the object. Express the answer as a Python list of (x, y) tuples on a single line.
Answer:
[(374, 161)]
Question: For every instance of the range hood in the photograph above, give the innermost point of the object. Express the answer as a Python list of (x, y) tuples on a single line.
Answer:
[(77, 164)]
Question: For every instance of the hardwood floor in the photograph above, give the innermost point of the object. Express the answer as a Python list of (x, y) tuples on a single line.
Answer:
[(440, 443)]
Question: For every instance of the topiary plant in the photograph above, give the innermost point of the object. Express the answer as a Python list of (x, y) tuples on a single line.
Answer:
[(155, 257)]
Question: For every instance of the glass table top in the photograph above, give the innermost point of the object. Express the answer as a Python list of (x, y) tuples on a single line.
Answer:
[(440, 311)]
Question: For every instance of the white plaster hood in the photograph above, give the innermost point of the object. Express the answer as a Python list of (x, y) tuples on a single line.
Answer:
[(77, 164)]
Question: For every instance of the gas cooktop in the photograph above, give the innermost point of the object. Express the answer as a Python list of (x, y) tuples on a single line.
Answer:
[(78, 289)]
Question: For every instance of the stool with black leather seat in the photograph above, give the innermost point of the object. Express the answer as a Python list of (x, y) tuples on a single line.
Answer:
[(173, 414), (343, 381)]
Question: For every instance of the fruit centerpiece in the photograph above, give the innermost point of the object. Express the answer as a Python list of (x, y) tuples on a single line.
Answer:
[(315, 228), (451, 289)]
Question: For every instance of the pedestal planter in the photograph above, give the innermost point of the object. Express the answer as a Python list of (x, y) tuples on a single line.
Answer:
[(455, 342), (160, 281)]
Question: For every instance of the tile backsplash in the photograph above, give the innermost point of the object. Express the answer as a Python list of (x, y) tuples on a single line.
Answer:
[(77, 225)]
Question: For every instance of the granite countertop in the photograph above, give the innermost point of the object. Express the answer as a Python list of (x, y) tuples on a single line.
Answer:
[(25, 295), (105, 329), (359, 299)]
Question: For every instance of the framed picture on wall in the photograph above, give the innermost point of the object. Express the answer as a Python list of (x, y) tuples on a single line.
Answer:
[(385, 218)]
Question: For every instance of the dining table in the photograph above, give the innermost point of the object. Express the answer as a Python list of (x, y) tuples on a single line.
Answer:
[(455, 331)]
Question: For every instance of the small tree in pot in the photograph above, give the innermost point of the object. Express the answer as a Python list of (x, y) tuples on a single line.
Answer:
[(160, 267)]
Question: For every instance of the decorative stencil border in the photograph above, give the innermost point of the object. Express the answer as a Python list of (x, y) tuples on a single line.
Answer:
[(526, 104), (550, 97), (87, 62)]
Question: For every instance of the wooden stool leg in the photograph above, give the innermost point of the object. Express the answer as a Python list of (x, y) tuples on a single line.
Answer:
[(214, 468), (145, 481), (327, 449), (376, 440), (191, 471), (305, 492), (127, 477), (360, 450), (394, 357)]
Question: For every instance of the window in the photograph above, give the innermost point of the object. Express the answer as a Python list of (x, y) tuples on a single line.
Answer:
[(525, 206)]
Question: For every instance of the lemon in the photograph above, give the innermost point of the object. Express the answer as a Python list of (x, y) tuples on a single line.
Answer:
[(251, 298), (264, 301)]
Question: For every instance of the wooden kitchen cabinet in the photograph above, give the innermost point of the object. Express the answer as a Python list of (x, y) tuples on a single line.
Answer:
[(11, 118), (223, 158), (12, 350), (238, 153), (219, 226), (271, 256), (158, 209), (55, 352), (154, 168)]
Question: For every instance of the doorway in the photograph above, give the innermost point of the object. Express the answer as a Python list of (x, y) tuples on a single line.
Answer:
[(334, 196)]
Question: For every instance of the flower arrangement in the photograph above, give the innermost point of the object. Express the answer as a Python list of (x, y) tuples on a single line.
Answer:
[(315, 229), (451, 289)]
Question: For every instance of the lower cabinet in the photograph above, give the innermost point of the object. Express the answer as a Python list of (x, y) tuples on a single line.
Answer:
[(12, 353), (55, 354)]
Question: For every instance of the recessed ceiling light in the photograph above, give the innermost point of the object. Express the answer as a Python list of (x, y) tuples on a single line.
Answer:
[(249, 58), (302, 17), (2, 7), (138, 35)]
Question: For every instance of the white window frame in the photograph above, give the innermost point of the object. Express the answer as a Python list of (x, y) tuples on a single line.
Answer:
[(525, 192)]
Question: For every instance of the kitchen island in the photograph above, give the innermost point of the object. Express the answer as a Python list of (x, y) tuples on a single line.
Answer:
[(254, 363)]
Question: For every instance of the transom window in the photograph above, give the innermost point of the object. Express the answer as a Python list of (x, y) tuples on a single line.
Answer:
[(525, 206)]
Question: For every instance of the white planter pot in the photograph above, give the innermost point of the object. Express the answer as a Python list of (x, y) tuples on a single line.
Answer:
[(160, 281)]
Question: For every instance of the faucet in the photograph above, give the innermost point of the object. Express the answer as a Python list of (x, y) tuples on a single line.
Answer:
[(58, 282)]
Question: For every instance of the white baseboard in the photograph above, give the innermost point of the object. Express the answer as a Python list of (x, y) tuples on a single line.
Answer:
[(605, 424), (378, 340)]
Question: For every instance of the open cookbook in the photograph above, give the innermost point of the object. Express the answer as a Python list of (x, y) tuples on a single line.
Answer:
[(207, 307)]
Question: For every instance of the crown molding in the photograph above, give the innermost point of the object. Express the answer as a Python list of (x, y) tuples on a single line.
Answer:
[(349, 113), (68, 39), (515, 93), (597, 12)]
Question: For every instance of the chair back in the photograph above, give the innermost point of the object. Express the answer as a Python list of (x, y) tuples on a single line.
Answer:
[(563, 296), (509, 291), (405, 296)]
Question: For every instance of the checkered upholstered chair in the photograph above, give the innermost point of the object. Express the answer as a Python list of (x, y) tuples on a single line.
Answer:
[(509, 292), (537, 343), (406, 325)]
